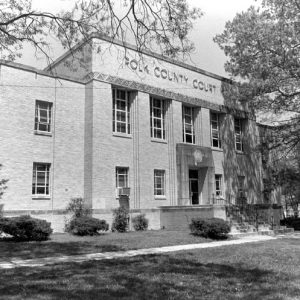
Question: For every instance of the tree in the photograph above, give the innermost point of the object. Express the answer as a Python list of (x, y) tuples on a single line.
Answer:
[(263, 47), (2, 188), (162, 24), (2, 185)]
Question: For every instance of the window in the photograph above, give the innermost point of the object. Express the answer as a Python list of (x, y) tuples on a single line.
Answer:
[(241, 186), (219, 186), (215, 130), (121, 177), (43, 116), (157, 118), (159, 182), (40, 179), (121, 111), (188, 124), (238, 130)]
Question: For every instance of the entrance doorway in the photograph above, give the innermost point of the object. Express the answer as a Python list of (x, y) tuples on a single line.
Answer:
[(194, 187)]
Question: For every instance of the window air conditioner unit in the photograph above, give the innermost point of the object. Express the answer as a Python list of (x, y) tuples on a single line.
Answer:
[(123, 191)]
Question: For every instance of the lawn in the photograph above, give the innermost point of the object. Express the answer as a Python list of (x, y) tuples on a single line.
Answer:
[(65, 244), (264, 270)]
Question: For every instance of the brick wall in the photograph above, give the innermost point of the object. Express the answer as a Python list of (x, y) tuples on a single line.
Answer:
[(20, 147)]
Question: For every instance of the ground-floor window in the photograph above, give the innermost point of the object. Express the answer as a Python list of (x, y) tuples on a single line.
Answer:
[(219, 185), (121, 177), (159, 182), (40, 179), (241, 186)]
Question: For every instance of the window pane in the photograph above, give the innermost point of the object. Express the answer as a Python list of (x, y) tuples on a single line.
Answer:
[(121, 116), (40, 190), (215, 143), (121, 105), (189, 139)]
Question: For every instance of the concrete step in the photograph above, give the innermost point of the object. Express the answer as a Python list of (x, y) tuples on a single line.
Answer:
[(283, 230), (245, 234)]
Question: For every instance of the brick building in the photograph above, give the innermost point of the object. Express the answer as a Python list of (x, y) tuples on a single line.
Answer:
[(119, 127)]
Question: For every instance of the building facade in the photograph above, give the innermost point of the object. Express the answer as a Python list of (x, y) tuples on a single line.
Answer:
[(119, 127)]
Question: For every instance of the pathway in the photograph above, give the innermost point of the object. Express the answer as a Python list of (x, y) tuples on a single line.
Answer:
[(38, 262)]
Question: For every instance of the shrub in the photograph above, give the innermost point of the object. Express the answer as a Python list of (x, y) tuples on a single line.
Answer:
[(140, 222), (120, 219), (87, 226), (77, 208), (291, 222), (26, 228), (210, 228)]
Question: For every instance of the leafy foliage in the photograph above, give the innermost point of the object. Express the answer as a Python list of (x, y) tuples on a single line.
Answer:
[(2, 184), (87, 226), (26, 228), (140, 222), (210, 228), (77, 208), (163, 24), (263, 49), (291, 222), (120, 219)]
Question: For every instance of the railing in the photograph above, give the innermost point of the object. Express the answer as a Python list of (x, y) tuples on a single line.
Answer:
[(254, 214)]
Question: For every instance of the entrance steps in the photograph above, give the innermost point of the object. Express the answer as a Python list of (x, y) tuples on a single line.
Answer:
[(241, 229)]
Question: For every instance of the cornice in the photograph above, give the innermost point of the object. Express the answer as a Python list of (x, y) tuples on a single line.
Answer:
[(156, 91)]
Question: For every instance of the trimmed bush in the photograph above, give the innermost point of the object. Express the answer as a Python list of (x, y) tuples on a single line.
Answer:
[(291, 222), (26, 228), (140, 222), (86, 226), (210, 228), (120, 219)]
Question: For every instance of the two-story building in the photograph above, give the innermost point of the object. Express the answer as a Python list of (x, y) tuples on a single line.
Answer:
[(119, 127)]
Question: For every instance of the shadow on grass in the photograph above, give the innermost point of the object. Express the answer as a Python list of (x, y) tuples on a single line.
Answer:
[(11, 249), (146, 277)]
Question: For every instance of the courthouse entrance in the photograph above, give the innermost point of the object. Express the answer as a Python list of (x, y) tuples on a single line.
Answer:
[(195, 174)]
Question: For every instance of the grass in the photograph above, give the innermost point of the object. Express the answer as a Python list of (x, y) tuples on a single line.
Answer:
[(65, 244), (265, 270)]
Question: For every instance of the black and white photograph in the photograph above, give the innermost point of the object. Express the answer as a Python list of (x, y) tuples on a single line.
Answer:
[(150, 149)]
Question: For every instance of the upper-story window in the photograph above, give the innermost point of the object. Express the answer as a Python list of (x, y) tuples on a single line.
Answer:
[(157, 118), (41, 179), (188, 129), (121, 111), (215, 130), (238, 131), (43, 112)]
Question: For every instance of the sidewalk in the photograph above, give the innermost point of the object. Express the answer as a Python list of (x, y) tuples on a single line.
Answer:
[(38, 262)]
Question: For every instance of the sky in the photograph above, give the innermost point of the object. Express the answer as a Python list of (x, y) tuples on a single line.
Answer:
[(207, 55)]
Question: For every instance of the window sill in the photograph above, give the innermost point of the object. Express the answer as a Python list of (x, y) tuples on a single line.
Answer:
[(159, 141), (160, 197), (45, 133), (40, 197), (216, 149), (239, 152), (122, 135)]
